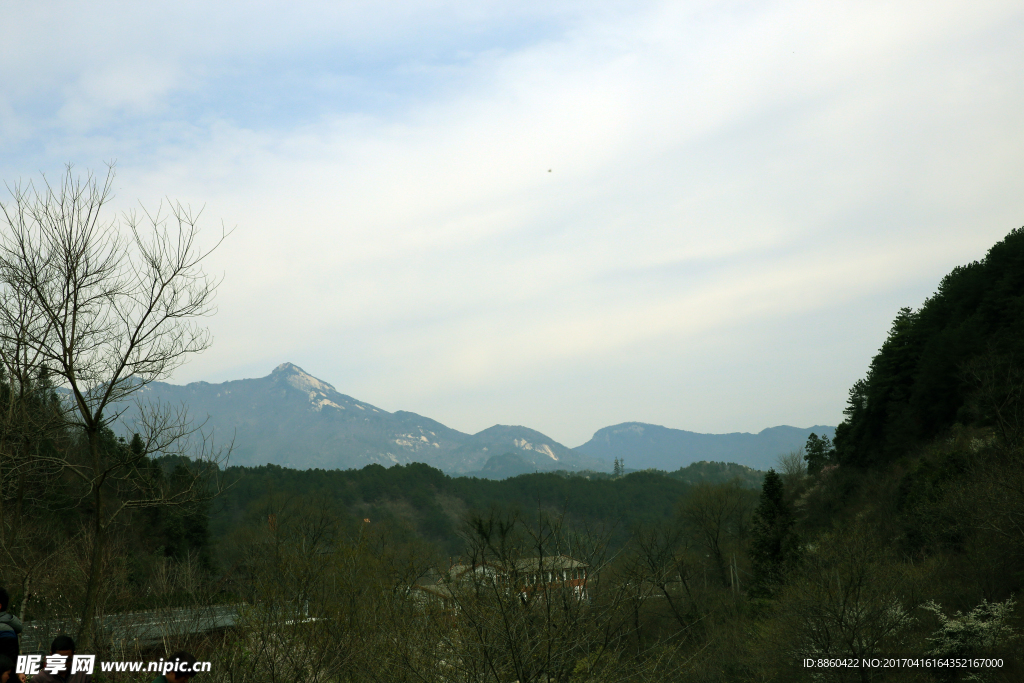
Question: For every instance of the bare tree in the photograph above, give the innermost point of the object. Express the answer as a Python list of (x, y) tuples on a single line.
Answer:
[(718, 514), (792, 467), (106, 305), (853, 600), (530, 601), (996, 385), (663, 561)]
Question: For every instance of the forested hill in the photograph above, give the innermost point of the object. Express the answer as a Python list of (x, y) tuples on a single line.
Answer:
[(957, 359), (424, 502)]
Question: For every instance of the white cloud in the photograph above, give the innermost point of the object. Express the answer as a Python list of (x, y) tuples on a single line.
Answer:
[(717, 169)]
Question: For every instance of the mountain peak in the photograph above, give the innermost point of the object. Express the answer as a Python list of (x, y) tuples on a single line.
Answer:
[(287, 367), (302, 380)]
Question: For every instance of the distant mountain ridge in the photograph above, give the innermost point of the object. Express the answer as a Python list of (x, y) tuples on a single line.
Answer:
[(293, 419), (644, 446)]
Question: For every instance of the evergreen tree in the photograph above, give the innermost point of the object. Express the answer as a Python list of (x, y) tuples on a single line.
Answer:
[(928, 373), (617, 468), (818, 452), (772, 544)]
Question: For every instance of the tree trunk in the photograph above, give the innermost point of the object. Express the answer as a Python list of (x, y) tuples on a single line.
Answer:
[(86, 632), (26, 587), (3, 520), (724, 574)]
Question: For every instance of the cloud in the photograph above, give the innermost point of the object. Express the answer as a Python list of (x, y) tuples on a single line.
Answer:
[(718, 171)]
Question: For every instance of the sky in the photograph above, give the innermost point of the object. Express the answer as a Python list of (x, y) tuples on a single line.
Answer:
[(563, 215)]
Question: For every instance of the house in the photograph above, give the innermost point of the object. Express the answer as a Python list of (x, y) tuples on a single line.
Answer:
[(548, 573), (529, 577)]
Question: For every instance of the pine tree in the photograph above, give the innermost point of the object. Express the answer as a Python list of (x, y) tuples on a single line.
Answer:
[(617, 468), (819, 452), (773, 544)]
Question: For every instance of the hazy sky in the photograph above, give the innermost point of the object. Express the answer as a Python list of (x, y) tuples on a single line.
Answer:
[(557, 214)]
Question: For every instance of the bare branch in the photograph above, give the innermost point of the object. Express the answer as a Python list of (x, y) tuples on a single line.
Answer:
[(105, 306)]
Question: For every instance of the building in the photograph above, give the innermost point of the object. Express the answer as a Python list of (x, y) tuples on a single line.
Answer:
[(534, 577)]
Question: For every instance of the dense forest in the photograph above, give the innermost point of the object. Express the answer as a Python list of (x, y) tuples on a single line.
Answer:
[(418, 500), (954, 361), (902, 541)]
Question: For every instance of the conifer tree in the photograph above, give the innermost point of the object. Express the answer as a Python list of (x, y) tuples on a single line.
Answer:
[(773, 544), (819, 452)]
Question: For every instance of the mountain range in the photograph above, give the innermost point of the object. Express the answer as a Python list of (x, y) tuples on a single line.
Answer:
[(293, 419), (644, 446)]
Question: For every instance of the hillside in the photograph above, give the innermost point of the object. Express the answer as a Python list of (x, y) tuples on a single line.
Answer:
[(425, 503), (954, 360)]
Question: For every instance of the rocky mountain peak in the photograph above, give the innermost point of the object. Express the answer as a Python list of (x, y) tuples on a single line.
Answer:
[(301, 380)]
